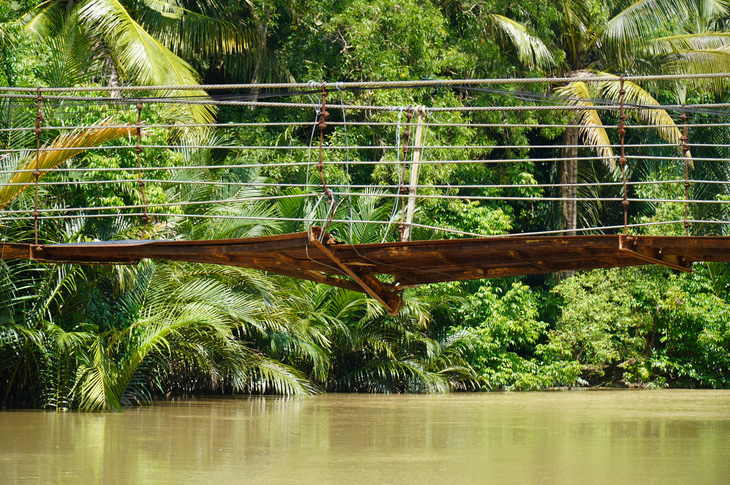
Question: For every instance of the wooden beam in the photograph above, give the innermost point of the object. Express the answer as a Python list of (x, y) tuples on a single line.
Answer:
[(14, 251), (390, 299), (627, 245), (313, 275)]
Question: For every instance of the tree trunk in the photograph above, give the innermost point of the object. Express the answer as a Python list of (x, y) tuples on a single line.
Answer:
[(113, 78), (569, 176), (262, 31)]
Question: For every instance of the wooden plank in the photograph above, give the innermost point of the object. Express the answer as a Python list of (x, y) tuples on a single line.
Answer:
[(14, 251), (316, 277), (101, 255), (407, 282)]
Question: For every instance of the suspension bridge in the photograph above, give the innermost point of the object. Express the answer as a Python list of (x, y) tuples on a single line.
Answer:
[(286, 172)]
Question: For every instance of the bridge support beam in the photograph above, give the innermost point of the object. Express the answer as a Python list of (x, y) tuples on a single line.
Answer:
[(316, 256), (385, 294), (630, 245)]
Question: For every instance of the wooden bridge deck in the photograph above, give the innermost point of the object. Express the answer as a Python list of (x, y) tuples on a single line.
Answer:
[(318, 257)]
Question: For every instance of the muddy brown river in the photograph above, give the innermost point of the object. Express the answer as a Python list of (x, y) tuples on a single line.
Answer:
[(581, 437)]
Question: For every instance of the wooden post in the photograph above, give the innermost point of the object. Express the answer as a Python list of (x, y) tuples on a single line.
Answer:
[(415, 165)]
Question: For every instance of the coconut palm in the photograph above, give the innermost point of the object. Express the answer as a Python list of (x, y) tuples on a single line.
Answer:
[(143, 43), (600, 37)]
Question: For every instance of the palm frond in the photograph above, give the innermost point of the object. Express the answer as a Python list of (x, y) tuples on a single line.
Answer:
[(13, 115), (183, 30), (580, 94), (687, 42), (530, 49), (46, 19), (635, 94), (369, 208), (691, 54), (268, 375), (641, 19), (60, 150), (96, 386), (74, 58), (59, 282), (697, 62), (139, 56)]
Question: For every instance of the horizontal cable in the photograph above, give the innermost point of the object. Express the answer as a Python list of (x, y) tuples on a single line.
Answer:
[(422, 226), (338, 147), (436, 109), (304, 164), (358, 186), (382, 84), (168, 204), (536, 198), (360, 123), (351, 163), (618, 227), (360, 194), (419, 186)]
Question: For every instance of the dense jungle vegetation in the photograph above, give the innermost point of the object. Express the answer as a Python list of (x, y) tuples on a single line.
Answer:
[(102, 337)]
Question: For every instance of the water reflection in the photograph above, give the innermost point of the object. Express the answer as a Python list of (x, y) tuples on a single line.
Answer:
[(572, 437)]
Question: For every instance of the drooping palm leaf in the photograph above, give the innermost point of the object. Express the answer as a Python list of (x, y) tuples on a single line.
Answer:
[(580, 94), (60, 150), (47, 18), (688, 42), (142, 57), (635, 94), (184, 31), (139, 56), (530, 49), (692, 54), (639, 21)]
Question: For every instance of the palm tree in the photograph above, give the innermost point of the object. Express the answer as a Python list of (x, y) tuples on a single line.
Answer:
[(600, 37), (143, 42), (180, 328)]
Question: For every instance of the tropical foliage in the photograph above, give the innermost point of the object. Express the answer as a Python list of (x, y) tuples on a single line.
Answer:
[(101, 338), (599, 38)]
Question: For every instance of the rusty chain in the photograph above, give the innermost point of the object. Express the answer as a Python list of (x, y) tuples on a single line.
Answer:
[(37, 172), (140, 182), (622, 160), (402, 189), (685, 153)]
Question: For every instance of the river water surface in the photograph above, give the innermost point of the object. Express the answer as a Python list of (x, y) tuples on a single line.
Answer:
[(586, 437)]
